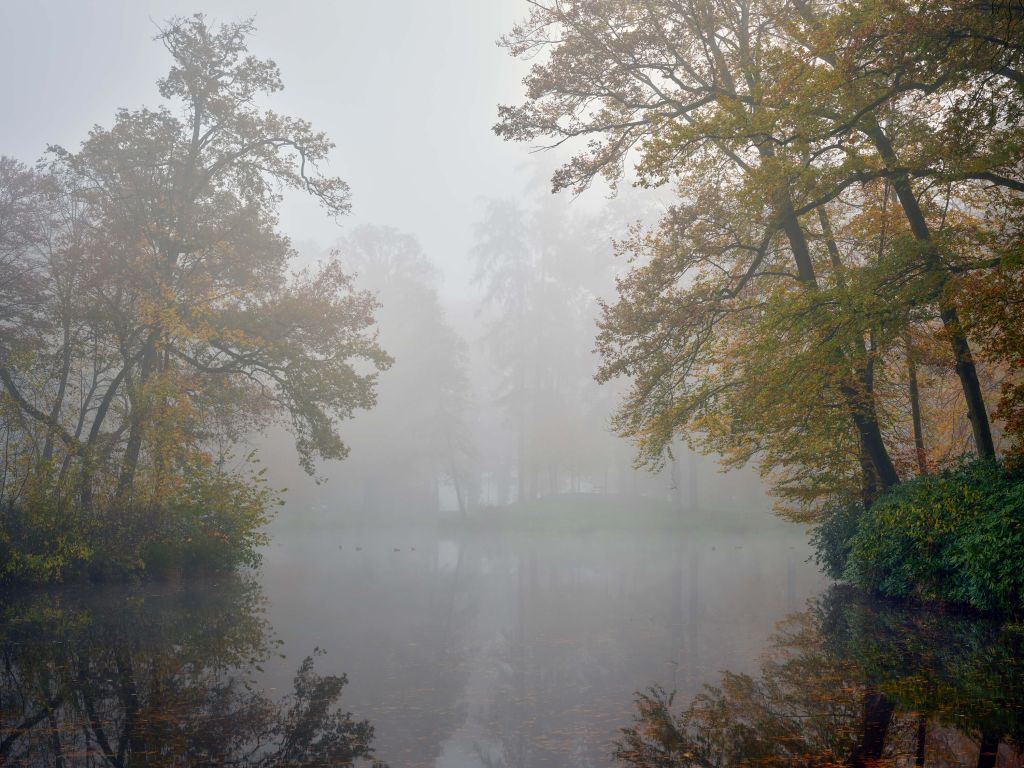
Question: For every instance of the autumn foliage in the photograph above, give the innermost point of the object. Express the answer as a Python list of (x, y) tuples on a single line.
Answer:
[(835, 292), (150, 317)]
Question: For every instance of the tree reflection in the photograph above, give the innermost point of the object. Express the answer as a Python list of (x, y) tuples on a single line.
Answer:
[(161, 678), (850, 682)]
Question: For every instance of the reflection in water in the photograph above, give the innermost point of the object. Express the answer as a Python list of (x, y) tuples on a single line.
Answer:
[(851, 682), (505, 653), (160, 676), (523, 650)]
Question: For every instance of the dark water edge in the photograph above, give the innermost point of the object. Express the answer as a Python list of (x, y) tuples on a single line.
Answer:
[(519, 649)]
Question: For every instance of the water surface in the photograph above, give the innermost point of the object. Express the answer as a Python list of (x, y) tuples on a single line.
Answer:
[(434, 648), (526, 649)]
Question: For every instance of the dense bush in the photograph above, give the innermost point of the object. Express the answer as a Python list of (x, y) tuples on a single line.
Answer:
[(832, 537), (956, 537), (212, 521), (215, 521)]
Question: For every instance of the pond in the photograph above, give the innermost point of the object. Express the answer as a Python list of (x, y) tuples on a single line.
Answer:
[(450, 649)]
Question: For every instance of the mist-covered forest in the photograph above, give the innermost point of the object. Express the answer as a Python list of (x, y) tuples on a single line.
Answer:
[(526, 383), (491, 399)]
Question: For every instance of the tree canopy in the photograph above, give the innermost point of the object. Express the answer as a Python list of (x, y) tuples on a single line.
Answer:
[(155, 316), (845, 175)]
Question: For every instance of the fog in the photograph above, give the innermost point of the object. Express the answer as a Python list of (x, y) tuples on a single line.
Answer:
[(407, 92), (491, 399), (523, 416), (412, 129)]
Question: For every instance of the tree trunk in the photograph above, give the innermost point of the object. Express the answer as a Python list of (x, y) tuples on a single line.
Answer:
[(868, 477), (58, 401), (130, 463), (965, 367), (55, 743), (968, 374), (989, 749), (863, 412), (85, 482), (866, 422), (877, 715), (862, 406), (797, 240), (133, 448), (915, 410), (455, 477), (922, 739)]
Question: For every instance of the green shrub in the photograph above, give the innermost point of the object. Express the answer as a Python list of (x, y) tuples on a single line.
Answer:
[(45, 537), (213, 521), (832, 537), (957, 537), (41, 542)]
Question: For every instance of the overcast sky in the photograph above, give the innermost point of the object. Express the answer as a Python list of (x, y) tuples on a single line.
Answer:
[(407, 89)]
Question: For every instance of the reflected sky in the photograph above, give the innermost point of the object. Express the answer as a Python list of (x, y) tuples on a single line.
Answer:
[(525, 650), (419, 648)]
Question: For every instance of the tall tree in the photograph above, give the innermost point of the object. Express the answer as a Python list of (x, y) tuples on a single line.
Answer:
[(897, 109), (167, 309), (689, 105), (775, 123)]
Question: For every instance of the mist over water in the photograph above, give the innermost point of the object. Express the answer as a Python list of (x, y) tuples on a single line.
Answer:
[(459, 649), (525, 649)]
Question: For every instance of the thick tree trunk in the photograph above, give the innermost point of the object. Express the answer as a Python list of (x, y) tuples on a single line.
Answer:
[(968, 374), (866, 423), (797, 240), (130, 463), (876, 463), (868, 477), (989, 750), (861, 404), (95, 429), (964, 360), (877, 717), (58, 401), (922, 740), (133, 448)]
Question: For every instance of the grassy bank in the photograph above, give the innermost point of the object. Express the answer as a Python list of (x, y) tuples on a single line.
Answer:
[(585, 512)]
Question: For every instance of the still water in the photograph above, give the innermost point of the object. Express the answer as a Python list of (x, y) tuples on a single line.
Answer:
[(449, 649)]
